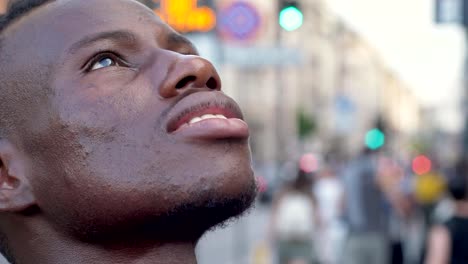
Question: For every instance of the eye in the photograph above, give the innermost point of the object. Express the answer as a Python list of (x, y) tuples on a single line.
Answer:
[(103, 63), (104, 60)]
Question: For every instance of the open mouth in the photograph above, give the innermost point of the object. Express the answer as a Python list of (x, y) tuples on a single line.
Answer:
[(201, 113), (208, 115)]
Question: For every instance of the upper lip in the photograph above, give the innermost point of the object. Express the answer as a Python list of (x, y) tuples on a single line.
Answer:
[(200, 103)]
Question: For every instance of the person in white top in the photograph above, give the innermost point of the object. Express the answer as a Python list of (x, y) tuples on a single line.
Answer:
[(328, 191)]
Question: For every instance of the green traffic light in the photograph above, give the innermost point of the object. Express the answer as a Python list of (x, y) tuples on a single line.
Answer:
[(291, 18), (375, 139)]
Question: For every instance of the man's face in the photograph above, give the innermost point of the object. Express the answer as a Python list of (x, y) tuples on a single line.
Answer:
[(112, 146)]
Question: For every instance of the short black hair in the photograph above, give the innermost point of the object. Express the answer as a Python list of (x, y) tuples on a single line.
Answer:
[(15, 10), (458, 183)]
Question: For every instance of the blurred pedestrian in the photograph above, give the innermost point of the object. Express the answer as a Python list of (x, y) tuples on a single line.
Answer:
[(329, 193), (293, 222), (397, 190), (367, 213), (448, 242), (428, 192)]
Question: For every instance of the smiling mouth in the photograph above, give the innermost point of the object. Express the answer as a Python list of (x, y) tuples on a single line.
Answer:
[(209, 116)]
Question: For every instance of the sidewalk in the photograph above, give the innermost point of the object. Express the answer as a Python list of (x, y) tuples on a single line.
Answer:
[(234, 244)]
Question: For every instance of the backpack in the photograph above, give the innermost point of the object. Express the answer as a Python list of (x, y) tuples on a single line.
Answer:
[(295, 217)]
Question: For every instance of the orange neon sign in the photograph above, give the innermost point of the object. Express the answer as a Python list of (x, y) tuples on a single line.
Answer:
[(186, 15), (3, 6)]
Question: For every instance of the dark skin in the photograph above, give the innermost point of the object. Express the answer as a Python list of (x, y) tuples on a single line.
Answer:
[(103, 152)]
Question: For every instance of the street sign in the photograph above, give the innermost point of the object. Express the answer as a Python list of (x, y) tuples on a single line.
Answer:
[(448, 11), (239, 21), (261, 56), (344, 109)]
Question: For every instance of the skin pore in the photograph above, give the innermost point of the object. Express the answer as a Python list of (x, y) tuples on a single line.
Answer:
[(98, 163)]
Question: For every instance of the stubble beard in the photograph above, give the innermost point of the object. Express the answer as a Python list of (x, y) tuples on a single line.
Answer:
[(186, 222)]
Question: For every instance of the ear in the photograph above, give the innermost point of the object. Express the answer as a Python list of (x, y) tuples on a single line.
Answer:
[(15, 191)]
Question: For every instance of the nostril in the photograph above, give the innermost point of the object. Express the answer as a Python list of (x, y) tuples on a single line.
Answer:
[(212, 83), (186, 80)]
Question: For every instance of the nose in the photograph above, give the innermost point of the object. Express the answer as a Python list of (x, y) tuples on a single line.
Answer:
[(189, 72)]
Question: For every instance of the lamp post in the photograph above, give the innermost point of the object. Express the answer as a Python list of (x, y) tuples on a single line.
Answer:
[(278, 108), (465, 78), (290, 18)]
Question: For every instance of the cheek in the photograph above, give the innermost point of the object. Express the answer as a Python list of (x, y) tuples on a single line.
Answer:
[(93, 183), (148, 167), (113, 97), (101, 182)]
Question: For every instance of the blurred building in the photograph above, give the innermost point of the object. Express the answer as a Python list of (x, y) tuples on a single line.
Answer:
[(339, 81)]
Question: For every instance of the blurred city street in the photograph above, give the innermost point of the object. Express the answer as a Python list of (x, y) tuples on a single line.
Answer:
[(235, 243)]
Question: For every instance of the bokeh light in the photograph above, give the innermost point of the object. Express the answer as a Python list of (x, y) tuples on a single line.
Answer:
[(375, 139), (308, 163), (421, 165)]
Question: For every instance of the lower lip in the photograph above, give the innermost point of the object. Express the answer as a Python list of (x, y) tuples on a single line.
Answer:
[(214, 128)]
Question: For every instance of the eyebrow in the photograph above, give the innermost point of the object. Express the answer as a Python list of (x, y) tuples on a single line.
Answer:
[(179, 40), (114, 36)]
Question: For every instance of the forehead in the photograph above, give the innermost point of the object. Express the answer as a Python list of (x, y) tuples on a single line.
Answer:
[(59, 24)]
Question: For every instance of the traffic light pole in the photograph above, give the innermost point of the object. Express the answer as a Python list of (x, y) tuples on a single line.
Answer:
[(279, 109), (465, 96), (464, 23)]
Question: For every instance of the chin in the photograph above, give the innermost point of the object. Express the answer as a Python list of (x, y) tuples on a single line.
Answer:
[(227, 193), (183, 221), (209, 209)]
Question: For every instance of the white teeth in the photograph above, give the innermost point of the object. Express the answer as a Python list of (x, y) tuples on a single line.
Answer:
[(204, 117), (195, 120), (208, 116)]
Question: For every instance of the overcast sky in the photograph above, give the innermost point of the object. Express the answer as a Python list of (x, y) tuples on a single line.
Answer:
[(428, 57)]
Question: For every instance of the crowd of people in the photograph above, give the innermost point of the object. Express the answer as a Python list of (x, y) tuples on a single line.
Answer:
[(371, 208)]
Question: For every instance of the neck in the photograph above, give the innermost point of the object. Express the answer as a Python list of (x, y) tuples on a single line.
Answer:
[(170, 253), (42, 244)]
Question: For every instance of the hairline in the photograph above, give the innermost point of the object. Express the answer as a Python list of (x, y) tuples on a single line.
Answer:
[(23, 16)]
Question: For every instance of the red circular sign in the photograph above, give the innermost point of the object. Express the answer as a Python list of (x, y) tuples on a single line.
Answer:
[(421, 165)]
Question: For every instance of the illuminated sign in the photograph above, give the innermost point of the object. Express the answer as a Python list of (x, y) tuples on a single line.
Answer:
[(3, 6), (186, 15), (239, 21)]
